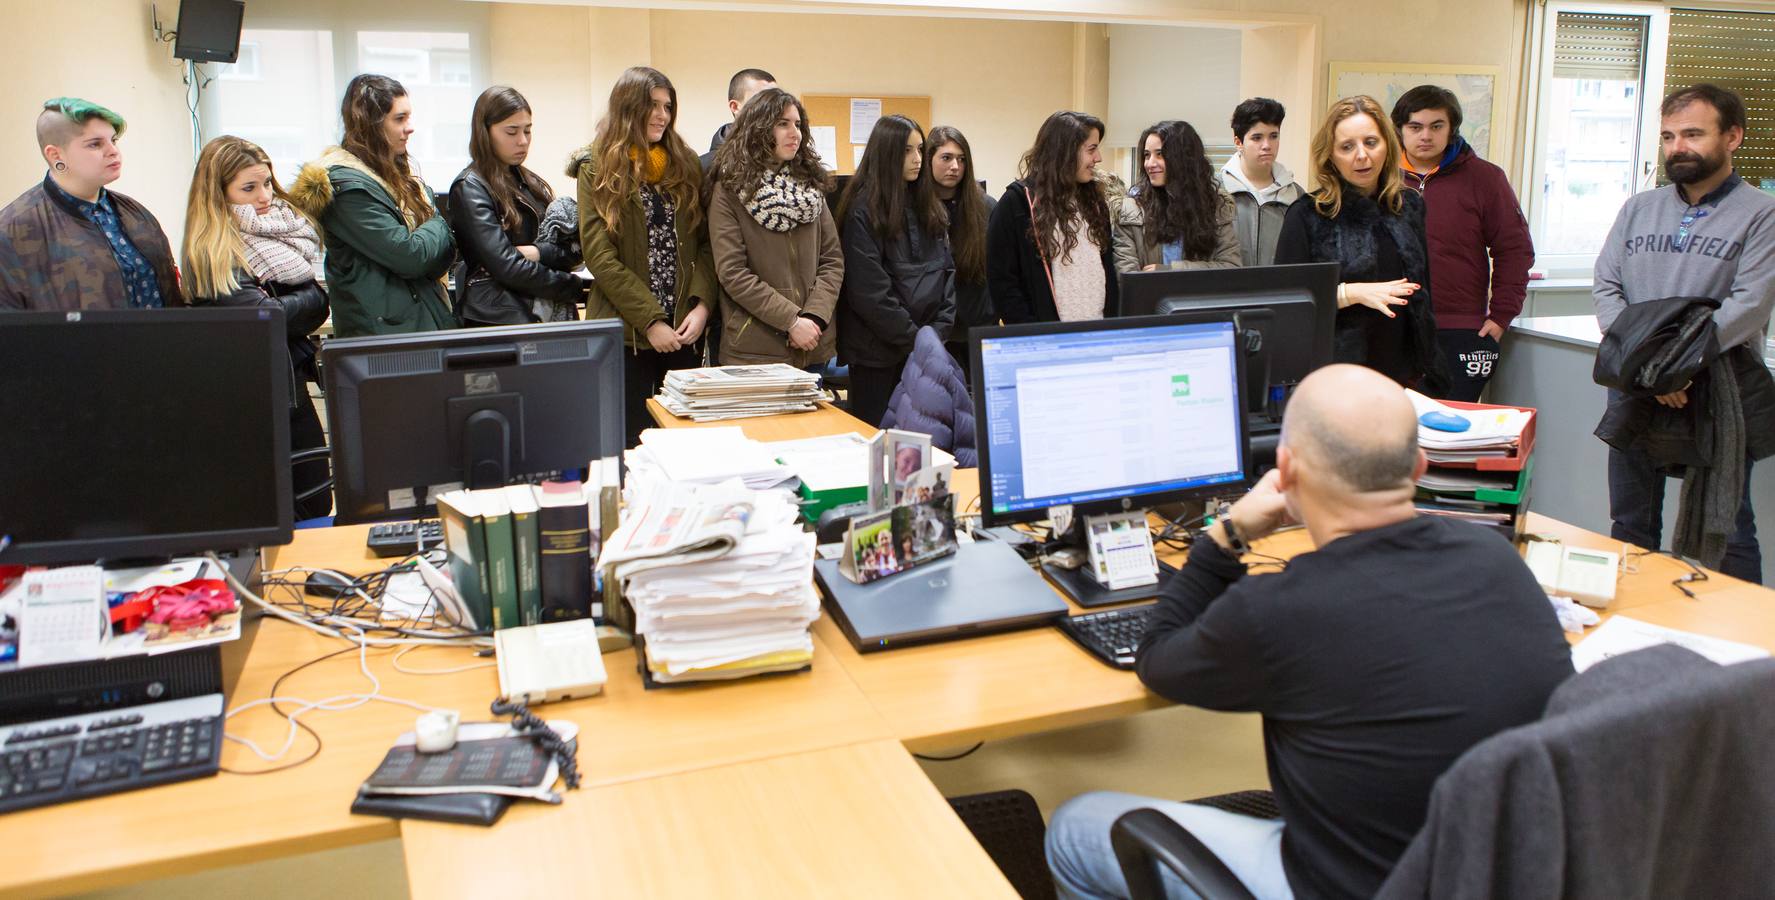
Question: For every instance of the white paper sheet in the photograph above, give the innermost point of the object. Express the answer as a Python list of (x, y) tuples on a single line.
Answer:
[(826, 144), (864, 114)]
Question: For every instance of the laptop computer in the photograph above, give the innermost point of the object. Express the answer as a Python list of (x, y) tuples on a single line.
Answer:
[(984, 587)]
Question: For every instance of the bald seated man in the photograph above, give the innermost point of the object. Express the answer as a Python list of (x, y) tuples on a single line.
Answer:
[(1376, 659)]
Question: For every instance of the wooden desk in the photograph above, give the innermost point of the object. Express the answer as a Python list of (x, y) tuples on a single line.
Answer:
[(828, 419), (677, 778), (854, 821)]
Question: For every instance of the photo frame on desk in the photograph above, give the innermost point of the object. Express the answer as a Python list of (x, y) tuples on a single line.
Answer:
[(905, 535), (1476, 86)]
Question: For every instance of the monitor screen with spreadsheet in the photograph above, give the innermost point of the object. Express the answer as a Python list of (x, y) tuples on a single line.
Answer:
[(1107, 415)]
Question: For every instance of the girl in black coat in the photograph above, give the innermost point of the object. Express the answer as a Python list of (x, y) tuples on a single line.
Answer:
[(506, 277), (898, 274), (1050, 231), (1363, 218), (245, 245)]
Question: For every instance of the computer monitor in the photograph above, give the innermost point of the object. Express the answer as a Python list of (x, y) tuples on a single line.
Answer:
[(140, 434), (412, 415), (1287, 314), (1107, 415)]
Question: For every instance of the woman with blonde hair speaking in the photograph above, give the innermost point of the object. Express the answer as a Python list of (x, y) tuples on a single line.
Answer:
[(1362, 217)]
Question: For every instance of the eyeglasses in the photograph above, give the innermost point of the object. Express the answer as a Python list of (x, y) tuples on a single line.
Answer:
[(1694, 214)]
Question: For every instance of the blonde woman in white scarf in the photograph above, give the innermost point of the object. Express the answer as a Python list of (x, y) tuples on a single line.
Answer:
[(245, 245)]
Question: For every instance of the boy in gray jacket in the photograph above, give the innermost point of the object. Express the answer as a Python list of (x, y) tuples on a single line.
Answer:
[(1707, 234), (1261, 187)]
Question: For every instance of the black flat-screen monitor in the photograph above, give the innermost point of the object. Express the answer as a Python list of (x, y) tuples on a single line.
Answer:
[(1287, 314), (209, 30), (1107, 415), (412, 415), (142, 433)]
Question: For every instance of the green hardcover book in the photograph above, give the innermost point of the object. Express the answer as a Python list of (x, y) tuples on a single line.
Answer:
[(524, 547), (465, 544), (502, 568)]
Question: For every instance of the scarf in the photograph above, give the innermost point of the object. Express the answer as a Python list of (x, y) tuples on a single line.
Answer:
[(655, 166), (281, 245), (782, 202)]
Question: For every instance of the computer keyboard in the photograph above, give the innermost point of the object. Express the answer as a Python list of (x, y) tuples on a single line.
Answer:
[(1111, 635), (56, 760), (402, 538)]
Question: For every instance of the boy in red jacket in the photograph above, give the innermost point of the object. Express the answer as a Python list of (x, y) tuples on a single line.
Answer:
[(1480, 249)]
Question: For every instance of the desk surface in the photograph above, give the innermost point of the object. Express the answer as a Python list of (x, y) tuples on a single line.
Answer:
[(858, 821), (674, 775)]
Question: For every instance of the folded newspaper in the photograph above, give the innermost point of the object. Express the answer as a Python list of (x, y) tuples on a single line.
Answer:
[(677, 524), (732, 392)]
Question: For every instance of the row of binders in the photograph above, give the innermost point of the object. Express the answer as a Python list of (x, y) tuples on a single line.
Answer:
[(735, 392), (522, 554)]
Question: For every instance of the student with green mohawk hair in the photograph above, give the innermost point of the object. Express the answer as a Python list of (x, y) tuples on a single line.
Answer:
[(69, 243)]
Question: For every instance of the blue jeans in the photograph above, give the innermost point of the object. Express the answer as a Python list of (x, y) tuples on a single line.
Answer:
[(1084, 865), (1636, 511)]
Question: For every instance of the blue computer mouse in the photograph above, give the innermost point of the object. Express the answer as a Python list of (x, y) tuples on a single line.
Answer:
[(1442, 421)]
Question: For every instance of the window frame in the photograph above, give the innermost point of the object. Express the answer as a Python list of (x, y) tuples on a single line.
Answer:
[(1540, 100)]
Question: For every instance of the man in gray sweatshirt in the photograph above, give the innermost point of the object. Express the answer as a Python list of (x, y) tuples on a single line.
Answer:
[(1261, 187), (1707, 234)]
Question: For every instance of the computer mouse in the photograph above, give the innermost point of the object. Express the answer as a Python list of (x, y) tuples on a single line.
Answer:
[(328, 584), (1441, 421)]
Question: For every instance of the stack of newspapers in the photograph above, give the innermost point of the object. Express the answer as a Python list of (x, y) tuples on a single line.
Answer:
[(736, 392), (720, 579)]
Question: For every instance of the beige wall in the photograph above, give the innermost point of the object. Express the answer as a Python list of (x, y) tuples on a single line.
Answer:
[(108, 55), (557, 83), (995, 80)]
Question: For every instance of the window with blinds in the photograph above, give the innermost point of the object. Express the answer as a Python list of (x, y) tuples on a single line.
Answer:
[(1592, 129), (1733, 50), (1596, 45)]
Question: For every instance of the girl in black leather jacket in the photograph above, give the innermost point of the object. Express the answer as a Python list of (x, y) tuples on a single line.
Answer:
[(506, 277), (245, 245)]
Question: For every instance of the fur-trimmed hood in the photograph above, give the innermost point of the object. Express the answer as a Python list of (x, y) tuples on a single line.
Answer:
[(314, 187), (577, 159)]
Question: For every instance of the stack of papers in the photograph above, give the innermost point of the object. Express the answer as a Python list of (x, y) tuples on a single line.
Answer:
[(1491, 433), (705, 456), (729, 594), (735, 392)]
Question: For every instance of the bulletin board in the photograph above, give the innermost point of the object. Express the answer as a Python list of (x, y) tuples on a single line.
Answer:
[(834, 111)]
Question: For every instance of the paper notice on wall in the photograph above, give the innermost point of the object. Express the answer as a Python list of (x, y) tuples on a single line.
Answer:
[(826, 144), (864, 113), (857, 155)]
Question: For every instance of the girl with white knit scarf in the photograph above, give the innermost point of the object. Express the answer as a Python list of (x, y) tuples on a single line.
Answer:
[(245, 245), (777, 252)]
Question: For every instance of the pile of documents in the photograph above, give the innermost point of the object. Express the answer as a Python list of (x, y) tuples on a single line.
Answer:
[(736, 392), (1491, 432), (704, 456), (720, 579)]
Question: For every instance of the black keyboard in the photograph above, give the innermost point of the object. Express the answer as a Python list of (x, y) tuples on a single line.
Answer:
[(1111, 635), (57, 760), (402, 538)]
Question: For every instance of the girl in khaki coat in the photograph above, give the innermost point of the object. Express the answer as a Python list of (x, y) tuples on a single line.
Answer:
[(641, 230), (777, 253)]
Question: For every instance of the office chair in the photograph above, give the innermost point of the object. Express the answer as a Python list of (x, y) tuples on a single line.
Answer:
[(1690, 737), (1147, 841), (314, 455)]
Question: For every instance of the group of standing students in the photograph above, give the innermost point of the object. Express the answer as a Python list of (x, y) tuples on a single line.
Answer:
[(744, 252)]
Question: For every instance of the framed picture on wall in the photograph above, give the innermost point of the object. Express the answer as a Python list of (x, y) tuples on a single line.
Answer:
[(1476, 86)]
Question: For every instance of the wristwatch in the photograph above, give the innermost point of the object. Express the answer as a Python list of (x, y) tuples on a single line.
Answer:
[(1235, 541)]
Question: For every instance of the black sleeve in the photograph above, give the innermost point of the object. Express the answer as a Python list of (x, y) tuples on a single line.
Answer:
[(1112, 284), (556, 257), (869, 290), (305, 307), (1201, 646), (1292, 244), (1005, 237), (478, 232)]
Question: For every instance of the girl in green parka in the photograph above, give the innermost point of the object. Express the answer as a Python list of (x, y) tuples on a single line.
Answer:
[(645, 239), (387, 247)]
